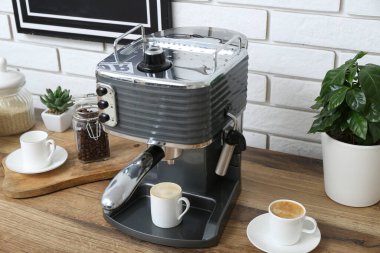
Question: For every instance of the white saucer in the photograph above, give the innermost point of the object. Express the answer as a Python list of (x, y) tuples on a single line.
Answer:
[(14, 163), (258, 234)]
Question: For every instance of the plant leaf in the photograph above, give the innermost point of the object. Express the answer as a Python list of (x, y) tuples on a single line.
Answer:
[(359, 55), (337, 98), (334, 76), (343, 126), (369, 78), (351, 73), (374, 129), (318, 104), (357, 124), (356, 100), (316, 126), (373, 114)]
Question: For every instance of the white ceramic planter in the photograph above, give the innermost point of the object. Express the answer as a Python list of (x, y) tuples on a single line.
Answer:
[(57, 123), (351, 172)]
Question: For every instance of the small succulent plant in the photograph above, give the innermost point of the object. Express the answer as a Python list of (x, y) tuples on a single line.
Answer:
[(58, 101)]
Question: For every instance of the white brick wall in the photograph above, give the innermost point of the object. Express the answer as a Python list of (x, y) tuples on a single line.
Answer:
[(326, 31), (6, 6), (249, 21), (363, 7), (315, 5), (5, 29), (292, 44), (79, 62), (292, 61)]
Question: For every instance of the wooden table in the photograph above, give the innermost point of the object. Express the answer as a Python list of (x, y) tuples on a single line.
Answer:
[(71, 220)]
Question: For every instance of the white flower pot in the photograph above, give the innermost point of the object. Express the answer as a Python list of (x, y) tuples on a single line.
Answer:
[(351, 172), (57, 123)]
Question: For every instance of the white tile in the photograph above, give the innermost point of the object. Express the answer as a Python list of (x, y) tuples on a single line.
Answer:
[(293, 92), (37, 103), (248, 21), (255, 140), (286, 122), (5, 31), (343, 57), (53, 41), (38, 81), (29, 56), (326, 31), (295, 147), (292, 61), (6, 5), (363, 7), (257, 88), (313, 5), (80, 62)]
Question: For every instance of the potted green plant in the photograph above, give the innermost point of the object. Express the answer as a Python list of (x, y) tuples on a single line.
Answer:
[(57, 117), (349, 119)]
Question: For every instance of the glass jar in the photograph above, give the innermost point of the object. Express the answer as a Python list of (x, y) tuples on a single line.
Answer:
[(16, 103), (91, 139)]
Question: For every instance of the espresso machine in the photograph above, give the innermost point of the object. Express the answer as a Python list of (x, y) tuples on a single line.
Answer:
[(182, 92)]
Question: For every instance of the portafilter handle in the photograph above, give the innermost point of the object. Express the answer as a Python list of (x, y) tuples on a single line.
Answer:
[(126, 181)]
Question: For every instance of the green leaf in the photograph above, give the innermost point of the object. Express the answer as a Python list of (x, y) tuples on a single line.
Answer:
[(373, 115), (317, 126), (337, 97), (369, 78), (356, 100), (343, 126), (357, 124), (351, 73), (43, 100), (58, 102), (334, 76), (58, 91), (374, 129), (317, 105), (359, 55), (330, 120)]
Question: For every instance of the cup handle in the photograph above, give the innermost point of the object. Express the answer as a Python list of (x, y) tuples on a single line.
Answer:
[(310, 231), (187, 202), (52, 147)]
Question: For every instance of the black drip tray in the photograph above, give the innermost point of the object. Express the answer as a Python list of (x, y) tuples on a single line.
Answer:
[(199, 227)]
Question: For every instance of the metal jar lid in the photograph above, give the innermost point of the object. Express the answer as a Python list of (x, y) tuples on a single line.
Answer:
[(10, 81)]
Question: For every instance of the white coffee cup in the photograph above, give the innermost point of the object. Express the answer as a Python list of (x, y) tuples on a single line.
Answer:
[(287, 218), (36, 149), (166, 204)]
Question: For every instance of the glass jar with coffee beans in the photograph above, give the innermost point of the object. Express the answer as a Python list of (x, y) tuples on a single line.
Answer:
[(91, 139)]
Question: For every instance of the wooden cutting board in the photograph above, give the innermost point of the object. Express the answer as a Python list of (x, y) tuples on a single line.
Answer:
[(71, 173)]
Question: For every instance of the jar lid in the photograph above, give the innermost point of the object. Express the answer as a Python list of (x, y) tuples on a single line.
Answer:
[(9, 80)]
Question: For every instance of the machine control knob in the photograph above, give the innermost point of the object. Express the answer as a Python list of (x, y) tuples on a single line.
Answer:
[(103, 117), (102, 104), (101, 91)]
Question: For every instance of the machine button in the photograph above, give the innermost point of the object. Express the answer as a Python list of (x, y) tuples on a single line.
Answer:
[(101, 91), (102, 104), (103, 117)]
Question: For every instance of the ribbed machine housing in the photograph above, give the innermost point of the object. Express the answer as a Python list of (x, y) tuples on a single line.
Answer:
[(178, 114)]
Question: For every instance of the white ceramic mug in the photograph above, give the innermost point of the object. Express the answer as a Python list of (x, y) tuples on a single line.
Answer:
[(36, 149), (287, 226), (166, 204)]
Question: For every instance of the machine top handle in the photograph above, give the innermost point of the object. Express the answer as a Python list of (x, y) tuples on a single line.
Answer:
[(118, 39)]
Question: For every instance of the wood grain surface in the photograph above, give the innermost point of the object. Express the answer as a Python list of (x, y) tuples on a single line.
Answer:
[(71, 220), (71, 173)]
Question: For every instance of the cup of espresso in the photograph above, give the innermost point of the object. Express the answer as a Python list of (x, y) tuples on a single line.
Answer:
[(166, 204), (287, 218), (36, 149)]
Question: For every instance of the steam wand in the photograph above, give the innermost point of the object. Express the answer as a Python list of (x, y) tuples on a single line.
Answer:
[(126, 181)]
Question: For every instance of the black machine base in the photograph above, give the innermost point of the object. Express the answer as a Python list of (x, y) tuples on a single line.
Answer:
[(201, 226)]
